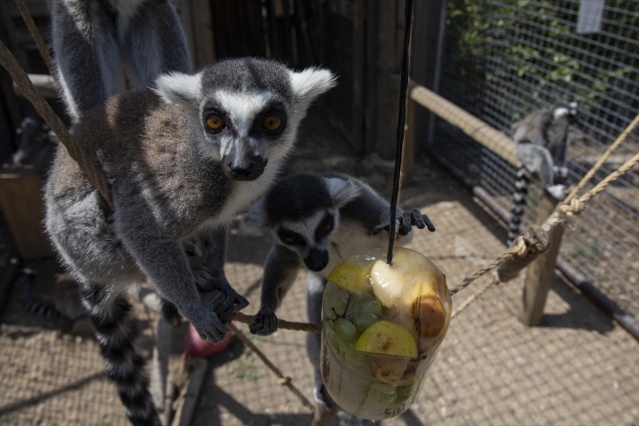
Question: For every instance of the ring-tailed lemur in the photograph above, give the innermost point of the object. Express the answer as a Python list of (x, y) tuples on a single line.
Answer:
[(318, 221), (36, 144), (101, 43), (96, 41), (181, 160), (542, 145), (64, 299)]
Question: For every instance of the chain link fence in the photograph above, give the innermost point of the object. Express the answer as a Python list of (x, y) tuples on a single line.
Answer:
[(503, 59)]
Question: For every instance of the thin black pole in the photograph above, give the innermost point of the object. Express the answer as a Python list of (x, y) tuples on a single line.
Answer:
[(400, 130)]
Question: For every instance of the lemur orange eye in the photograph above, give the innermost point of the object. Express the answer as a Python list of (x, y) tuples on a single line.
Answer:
[(215, 122), (272, 122)]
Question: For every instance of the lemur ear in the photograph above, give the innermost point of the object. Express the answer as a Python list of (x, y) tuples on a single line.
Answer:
[(310, 83), (341, 191), (255, 219), (180, 88)]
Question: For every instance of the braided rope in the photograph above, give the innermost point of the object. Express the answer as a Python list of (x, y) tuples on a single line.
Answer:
[(622, 137), (10, 63)]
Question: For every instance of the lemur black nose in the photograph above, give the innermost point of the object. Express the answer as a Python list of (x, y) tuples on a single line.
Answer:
[(316, 260), (249, 170)]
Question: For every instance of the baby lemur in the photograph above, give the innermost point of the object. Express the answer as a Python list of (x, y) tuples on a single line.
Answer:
[(181, 160), (318, 221)]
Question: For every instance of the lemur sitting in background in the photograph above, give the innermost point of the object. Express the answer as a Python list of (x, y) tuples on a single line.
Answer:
[(318, 221), (542, 145)]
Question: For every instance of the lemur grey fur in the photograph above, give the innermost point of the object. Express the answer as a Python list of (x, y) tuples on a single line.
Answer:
[(542, 144), (94, 41), (318, 221), (181, 160)]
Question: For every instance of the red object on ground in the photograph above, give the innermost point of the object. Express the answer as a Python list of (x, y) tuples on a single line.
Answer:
[(194, 346)]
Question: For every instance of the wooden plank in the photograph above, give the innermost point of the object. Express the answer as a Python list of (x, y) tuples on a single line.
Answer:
[(188, 399), (203, 41), (44, 84), (23, 209), (387, 100), (541, 272), (426, 50), (371, 107), (357, 130)]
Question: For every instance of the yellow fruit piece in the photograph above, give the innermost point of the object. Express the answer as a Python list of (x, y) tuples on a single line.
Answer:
[(385, 337), (394, 370), (387, 282), (390, 282), (426, 309), (352, 275)]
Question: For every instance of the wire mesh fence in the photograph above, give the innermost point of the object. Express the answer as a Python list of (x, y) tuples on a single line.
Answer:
[(503, 59)]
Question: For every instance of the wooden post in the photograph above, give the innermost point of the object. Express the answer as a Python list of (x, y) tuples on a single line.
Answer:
[(23, 209), (540, 273)]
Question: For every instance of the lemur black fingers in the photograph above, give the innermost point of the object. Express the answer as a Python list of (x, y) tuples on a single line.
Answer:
[(404, 223), (379, 228), (265, 324), (428, 223)]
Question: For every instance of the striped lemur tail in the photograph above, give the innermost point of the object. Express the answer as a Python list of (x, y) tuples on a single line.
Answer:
[(116, 329), (519, 204), (32, 305)]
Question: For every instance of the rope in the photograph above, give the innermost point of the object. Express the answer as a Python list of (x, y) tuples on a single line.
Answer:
[(281, 379), (288, 325), (622, 137), (10, 63), (400, 131), (471, 299), (519, 249)]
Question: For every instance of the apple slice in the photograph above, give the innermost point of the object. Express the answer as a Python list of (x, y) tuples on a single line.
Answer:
[(353, 275), (385, 337), (426, 309)]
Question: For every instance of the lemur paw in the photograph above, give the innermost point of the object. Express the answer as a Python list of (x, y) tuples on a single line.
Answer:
[(557, 191), (406, 221), (230, 303), (205, 320), (265, 323)]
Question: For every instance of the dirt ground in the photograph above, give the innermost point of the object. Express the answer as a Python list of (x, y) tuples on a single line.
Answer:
[(577, 368)]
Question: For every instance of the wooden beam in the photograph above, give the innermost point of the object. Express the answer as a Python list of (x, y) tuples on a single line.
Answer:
[(493, 139)]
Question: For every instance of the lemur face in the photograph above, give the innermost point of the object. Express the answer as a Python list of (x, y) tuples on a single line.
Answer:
[(248, 109), (310, 237), (246, 130), (569, 111)]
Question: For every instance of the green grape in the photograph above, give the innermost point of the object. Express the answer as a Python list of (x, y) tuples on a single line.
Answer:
[(371, 307), (335, 306), (364, 320), (344, 329)]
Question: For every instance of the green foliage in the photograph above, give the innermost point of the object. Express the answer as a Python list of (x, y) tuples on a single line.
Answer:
[(532, 46)]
